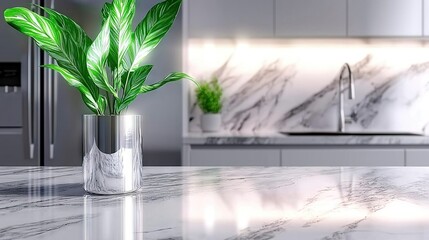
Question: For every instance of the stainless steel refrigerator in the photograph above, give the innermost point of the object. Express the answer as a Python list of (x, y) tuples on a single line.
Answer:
[(40, 115)]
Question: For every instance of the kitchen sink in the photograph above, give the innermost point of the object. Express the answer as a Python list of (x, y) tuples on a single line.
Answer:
[(369, 133)]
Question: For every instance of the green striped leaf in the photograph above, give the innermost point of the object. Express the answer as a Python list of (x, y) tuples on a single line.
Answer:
[(74, 82), (50, 38), (72, 31), (152, 29), (102, 103), (83, 62), (105, 11), (70, 78), (121, 18), (132, 90), (42, 30), (175, 76), (97, 58), (70, 28)]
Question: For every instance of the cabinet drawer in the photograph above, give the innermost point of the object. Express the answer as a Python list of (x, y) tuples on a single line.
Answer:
[(343, 157), (235, 157), (417, 157)]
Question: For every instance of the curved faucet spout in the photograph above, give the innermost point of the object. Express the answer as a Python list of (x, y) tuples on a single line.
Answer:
[(351, 90), (346, 67)]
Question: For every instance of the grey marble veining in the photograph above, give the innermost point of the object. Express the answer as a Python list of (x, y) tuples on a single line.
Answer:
[(293, 86), (219, 203)]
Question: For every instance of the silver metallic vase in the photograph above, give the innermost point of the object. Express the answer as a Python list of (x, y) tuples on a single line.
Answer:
[(112, 159)]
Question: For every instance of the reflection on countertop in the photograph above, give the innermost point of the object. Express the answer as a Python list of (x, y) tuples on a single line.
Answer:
[(219, 203)]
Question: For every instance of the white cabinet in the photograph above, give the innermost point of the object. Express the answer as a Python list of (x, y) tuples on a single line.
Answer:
[(417, 157), (426, 17), (303, 156), (234, 157), (311, 18), (231, 18), (343, 157), (367, 18)]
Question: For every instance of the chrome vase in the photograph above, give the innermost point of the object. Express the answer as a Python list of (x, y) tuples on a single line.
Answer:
[(112, 159)]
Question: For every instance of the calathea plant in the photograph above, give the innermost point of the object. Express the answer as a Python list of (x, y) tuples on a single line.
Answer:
[(84, 62)]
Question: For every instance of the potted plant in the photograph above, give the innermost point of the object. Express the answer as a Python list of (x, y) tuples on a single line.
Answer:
[(109, 74), (209, 98)]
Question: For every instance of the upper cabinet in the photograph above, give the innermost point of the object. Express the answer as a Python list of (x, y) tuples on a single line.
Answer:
[(231, 18), (307, 18), (385, 18), (311, 18)]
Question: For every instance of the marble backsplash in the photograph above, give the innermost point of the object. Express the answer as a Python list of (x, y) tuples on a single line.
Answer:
[(293, 85)]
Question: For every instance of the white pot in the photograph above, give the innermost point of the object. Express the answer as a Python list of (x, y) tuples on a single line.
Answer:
[(211, 122)]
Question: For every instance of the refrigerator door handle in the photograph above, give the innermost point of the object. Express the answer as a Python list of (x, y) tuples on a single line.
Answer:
[(53, 112), (51, 108), (30, 100), (37, 100), (30, 89), (52, 76)]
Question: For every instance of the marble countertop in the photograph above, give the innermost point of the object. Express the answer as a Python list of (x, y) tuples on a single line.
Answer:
[(219, 203), (275, 138)]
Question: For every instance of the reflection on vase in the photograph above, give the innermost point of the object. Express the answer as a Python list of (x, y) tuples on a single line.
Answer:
[(121, 218), (113, 155)]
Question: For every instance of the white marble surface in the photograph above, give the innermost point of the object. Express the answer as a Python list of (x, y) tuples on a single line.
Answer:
[(292, 85), (276, 138), (219, 203)]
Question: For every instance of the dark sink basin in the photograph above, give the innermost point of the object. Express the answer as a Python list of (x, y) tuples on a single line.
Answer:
[(321, 133)]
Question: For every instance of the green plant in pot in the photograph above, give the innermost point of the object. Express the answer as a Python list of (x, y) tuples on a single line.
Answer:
[(209, 99), (109, 75)]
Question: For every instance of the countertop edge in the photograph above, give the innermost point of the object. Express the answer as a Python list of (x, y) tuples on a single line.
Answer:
[(256, 138)]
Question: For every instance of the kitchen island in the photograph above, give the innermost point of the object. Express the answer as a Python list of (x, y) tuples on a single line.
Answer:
[(219, 203)]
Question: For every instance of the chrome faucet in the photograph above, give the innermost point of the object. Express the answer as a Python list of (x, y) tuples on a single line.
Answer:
[(351, 90)]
